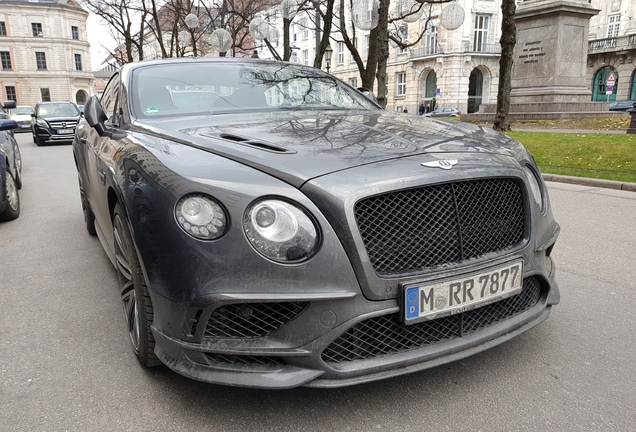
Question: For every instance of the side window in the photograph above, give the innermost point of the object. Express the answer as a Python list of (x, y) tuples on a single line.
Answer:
[(109, 100)]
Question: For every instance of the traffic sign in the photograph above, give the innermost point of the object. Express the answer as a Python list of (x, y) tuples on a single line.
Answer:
[(611, 79)]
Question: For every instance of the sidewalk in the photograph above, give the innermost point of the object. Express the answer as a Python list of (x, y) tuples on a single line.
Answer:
[(576, 131), (583, 181)]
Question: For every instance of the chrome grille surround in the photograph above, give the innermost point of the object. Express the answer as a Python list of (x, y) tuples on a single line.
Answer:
[(71, 124), (386, 335), (410, 230)]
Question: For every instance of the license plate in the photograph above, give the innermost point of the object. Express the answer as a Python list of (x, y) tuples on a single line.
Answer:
[(427, 301), (64, 131)]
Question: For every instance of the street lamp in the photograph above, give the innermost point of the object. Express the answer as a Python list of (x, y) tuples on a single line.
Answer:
[(328, 53)]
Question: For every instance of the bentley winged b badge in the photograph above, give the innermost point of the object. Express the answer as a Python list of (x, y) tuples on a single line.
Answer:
[(443, 164)]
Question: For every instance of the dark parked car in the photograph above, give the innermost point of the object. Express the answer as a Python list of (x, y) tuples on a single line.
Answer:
[(621, 105), (285, 230), (54, 122), (10, 167), (444, 112)]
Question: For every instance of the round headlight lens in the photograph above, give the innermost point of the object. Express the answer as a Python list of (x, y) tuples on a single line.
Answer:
[(201, 217), (280, 231), (535, 187)]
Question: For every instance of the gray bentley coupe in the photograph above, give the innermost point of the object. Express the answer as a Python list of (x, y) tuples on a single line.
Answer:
[(273, 227)]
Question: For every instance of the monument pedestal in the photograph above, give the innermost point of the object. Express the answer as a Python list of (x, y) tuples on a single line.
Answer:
[(550, 63), (550, 56)]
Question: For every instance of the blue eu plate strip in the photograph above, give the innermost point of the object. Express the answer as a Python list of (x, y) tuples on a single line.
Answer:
[(412, 305)]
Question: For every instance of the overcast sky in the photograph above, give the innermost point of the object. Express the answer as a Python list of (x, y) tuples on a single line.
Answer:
[(98, 37)]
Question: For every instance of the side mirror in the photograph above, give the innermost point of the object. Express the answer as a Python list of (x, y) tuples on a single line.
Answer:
[(368, 94), (9, 104), (7, 124), (33, 115), (95, 115)]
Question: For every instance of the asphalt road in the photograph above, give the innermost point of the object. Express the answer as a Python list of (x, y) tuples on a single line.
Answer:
[(66, 363)]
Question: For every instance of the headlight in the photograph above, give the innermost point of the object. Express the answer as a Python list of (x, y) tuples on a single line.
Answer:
[(535, 187), (42, 123), (280, 231), (201, 217)]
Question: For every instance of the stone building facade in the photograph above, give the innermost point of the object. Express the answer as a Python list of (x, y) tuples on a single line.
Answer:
[(460, 68), (44, 51), (612, 50)]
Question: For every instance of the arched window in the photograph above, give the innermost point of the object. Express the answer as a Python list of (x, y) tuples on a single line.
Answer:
[(600, 91), (431, 89), (475, 90), (632, 90), (80, 97)]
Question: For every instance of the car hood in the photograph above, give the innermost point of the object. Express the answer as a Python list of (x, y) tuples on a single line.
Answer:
[(299, 146), (50, 119), (21, 117)]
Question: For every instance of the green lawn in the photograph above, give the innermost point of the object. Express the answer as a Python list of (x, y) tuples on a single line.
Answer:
[(603, 156)]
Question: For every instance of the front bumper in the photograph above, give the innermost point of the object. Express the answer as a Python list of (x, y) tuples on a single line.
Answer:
[(351, 340), (52, 135)]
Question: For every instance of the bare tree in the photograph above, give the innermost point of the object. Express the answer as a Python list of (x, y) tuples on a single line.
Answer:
[(385, 32), (508, 41), (126, 19)]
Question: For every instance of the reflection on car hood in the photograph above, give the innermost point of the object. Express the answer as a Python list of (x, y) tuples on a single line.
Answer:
[(303, 145)]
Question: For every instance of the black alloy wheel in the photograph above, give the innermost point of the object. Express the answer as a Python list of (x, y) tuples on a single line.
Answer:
[(12, 211), (134, 292)]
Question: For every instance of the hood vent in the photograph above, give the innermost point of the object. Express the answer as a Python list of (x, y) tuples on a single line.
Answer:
[(257, 144)]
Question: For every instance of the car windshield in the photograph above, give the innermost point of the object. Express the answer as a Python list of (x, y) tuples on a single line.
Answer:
[(21, 111), (207, 87), (57, 110)]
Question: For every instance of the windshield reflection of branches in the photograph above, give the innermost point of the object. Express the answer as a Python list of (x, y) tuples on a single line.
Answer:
[(295, 87)]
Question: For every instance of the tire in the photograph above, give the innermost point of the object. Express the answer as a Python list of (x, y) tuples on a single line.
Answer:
[(39, 142), (89, 216), (18, 167), (12, 211), (35, 139), (134, 292)]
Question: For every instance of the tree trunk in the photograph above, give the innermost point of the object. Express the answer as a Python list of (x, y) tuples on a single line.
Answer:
[(508, 41)]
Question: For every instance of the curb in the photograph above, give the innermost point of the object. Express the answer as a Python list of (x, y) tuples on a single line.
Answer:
[(583, 181)]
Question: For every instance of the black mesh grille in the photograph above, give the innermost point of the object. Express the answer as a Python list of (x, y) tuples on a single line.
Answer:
[(409, 230), (251, 320), (387, 334), (241, 360)]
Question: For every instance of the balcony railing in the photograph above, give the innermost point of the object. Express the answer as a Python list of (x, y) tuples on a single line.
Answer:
[(427, 51), (475, 47), (612, 44)]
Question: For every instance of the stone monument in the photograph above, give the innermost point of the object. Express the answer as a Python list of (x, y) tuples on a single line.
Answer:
[(549, 69)]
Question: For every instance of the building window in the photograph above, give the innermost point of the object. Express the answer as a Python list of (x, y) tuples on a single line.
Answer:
[(3, 28), (480, 39), (353, 82), (75, 32), (305, 57), (305, 30), (294, 34), (45, 94), (37, 29), (5, 57), (613, 25), (78, 62), (400, 84), (366, 51), (431, 38), (340, 53), (10, 90), (403, 34), (355, 45), (40, 60)]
